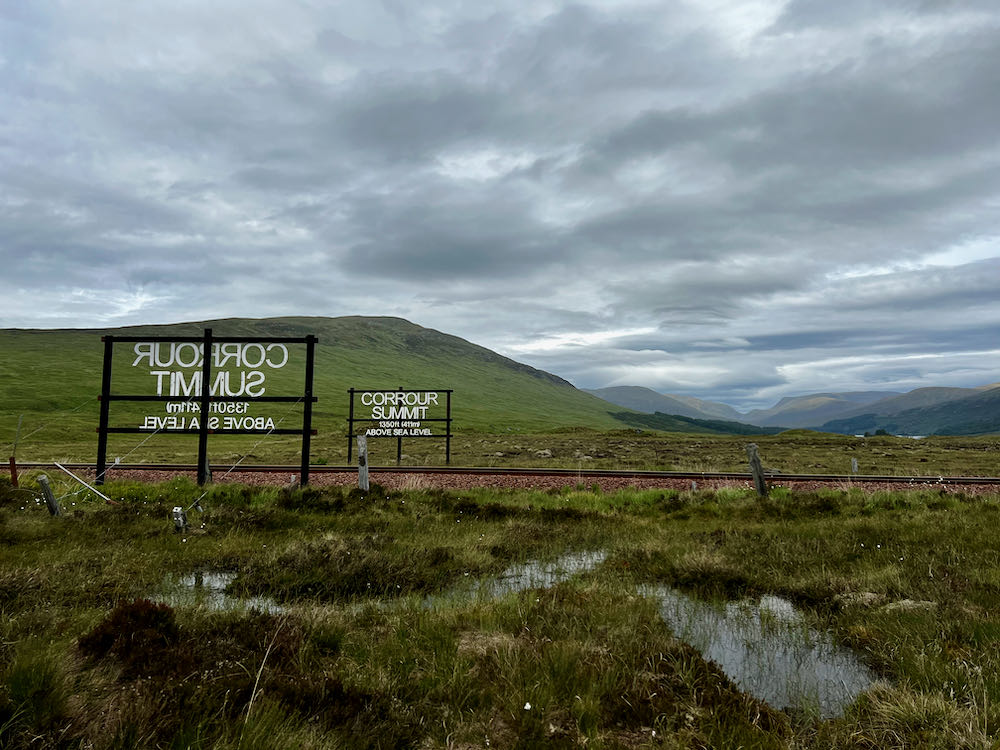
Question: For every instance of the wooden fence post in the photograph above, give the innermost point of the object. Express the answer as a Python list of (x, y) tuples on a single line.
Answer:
[(363, 462), (50, 499), (13, 455), (759, 483)]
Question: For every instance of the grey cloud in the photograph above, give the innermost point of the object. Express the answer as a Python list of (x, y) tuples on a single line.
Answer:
[(410, 119), (450, 251), (703, 293), (655, 171), (804, 14)]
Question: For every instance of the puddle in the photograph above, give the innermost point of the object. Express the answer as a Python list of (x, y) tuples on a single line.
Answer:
[(209, 590), (767, 650), (534, 574)]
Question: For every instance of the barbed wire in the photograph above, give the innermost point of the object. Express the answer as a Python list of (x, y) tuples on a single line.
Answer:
[(59, 418), (148, 437), (119, 459)]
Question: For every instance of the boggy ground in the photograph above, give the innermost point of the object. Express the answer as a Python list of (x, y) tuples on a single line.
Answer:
[(370, 643), (791, 452)]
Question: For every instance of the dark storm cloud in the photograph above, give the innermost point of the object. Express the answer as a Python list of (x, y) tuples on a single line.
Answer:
[(743, 201)]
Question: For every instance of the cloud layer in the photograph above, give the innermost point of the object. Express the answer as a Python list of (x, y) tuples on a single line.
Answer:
[(733, 199)]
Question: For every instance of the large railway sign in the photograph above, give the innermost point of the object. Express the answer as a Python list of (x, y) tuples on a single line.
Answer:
[(206, 385)]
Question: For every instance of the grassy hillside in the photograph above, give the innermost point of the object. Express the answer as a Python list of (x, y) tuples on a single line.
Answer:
[(647, 401), (53, 378)]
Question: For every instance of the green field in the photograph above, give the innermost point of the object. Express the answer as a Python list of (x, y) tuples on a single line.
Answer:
[(368, 635)]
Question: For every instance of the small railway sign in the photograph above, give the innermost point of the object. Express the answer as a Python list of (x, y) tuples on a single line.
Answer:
[(402, 413)]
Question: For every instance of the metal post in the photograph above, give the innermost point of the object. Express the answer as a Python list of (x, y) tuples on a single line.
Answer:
[(363, 462), (757, 469), (206, 379), (854, 466), (50, 499), (13, 453), (307, 408), (180, 519), (350, 426), (105, 398)]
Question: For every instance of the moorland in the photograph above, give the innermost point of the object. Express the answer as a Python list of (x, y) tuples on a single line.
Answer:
[(425, 618), (339, 619)]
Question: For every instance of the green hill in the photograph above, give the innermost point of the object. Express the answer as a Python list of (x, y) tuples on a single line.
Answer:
[(53, 378)]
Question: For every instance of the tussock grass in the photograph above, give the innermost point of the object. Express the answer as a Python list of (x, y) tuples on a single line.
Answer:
[(908, 581)]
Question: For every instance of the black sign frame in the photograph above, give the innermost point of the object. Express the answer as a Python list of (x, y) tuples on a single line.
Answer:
[(352, 420), (205, 399)]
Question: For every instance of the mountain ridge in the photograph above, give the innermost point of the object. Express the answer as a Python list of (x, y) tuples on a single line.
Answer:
[(927, 410)]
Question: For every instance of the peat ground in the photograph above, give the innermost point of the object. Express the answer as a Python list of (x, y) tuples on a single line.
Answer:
[(375, 640)]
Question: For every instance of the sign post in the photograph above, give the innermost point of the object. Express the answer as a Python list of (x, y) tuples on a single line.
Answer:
[(201, 401), (204, 471)]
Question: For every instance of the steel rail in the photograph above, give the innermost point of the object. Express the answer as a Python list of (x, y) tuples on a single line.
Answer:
[(543, 472)]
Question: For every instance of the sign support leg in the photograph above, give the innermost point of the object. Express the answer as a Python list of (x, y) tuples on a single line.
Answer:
[(206, 375), (307, 409), (101, 466)]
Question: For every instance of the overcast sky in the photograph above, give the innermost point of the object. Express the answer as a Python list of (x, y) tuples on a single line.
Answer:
[(732, 199)]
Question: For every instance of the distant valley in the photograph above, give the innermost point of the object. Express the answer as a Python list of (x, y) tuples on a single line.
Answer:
[(924, 411)]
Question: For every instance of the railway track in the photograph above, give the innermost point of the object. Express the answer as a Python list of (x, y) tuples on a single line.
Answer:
[(576, 474)]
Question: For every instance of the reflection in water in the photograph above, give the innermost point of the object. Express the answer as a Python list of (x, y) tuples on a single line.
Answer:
[(208, 589), (536, 574), (768, 651)]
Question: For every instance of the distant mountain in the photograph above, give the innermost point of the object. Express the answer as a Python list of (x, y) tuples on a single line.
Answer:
[(975, 414), (815, 408), (711, 408), (916, 399), (924, 411), (649, 401)]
